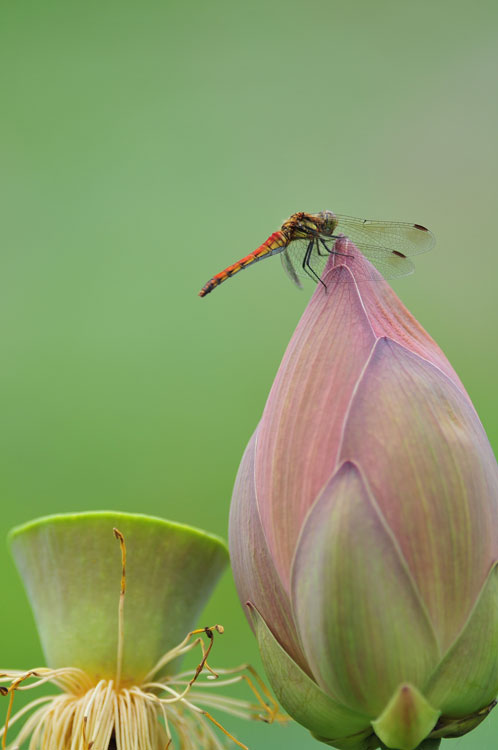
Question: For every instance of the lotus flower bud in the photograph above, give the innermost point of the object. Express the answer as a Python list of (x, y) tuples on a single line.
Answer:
[(364, 527)]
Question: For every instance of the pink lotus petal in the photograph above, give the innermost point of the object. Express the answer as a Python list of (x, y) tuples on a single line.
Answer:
[(432, 471), (389, 317), (297, 447), (363, 626), (461, 686), (254, 572)]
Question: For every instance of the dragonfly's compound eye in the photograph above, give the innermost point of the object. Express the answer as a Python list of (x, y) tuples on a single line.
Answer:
[(328, 222)]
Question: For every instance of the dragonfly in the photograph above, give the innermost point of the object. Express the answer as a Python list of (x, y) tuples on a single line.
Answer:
[(305, 241)]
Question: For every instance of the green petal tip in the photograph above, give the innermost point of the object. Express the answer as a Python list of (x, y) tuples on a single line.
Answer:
[(407, 719)]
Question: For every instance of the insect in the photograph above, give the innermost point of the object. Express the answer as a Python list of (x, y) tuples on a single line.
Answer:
[(305, 241)]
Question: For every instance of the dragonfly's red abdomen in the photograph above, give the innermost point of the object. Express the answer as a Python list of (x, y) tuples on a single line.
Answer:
[(274, 241)]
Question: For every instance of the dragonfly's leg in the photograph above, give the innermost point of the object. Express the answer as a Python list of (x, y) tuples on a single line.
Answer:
[(307, 265), (305, 258), (331, 250), (306, 261)]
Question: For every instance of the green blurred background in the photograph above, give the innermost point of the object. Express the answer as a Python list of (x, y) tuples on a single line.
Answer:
[(147, 145)]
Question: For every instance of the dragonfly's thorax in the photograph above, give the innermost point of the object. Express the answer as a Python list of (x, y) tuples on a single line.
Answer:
[(303, 225)]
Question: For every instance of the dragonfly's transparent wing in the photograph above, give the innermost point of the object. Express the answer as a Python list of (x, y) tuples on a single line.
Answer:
[(299, 262), (289, 264), (390, 265), (409, 239)]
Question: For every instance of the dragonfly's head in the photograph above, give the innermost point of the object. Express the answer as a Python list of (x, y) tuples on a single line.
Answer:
[(326, 222)]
